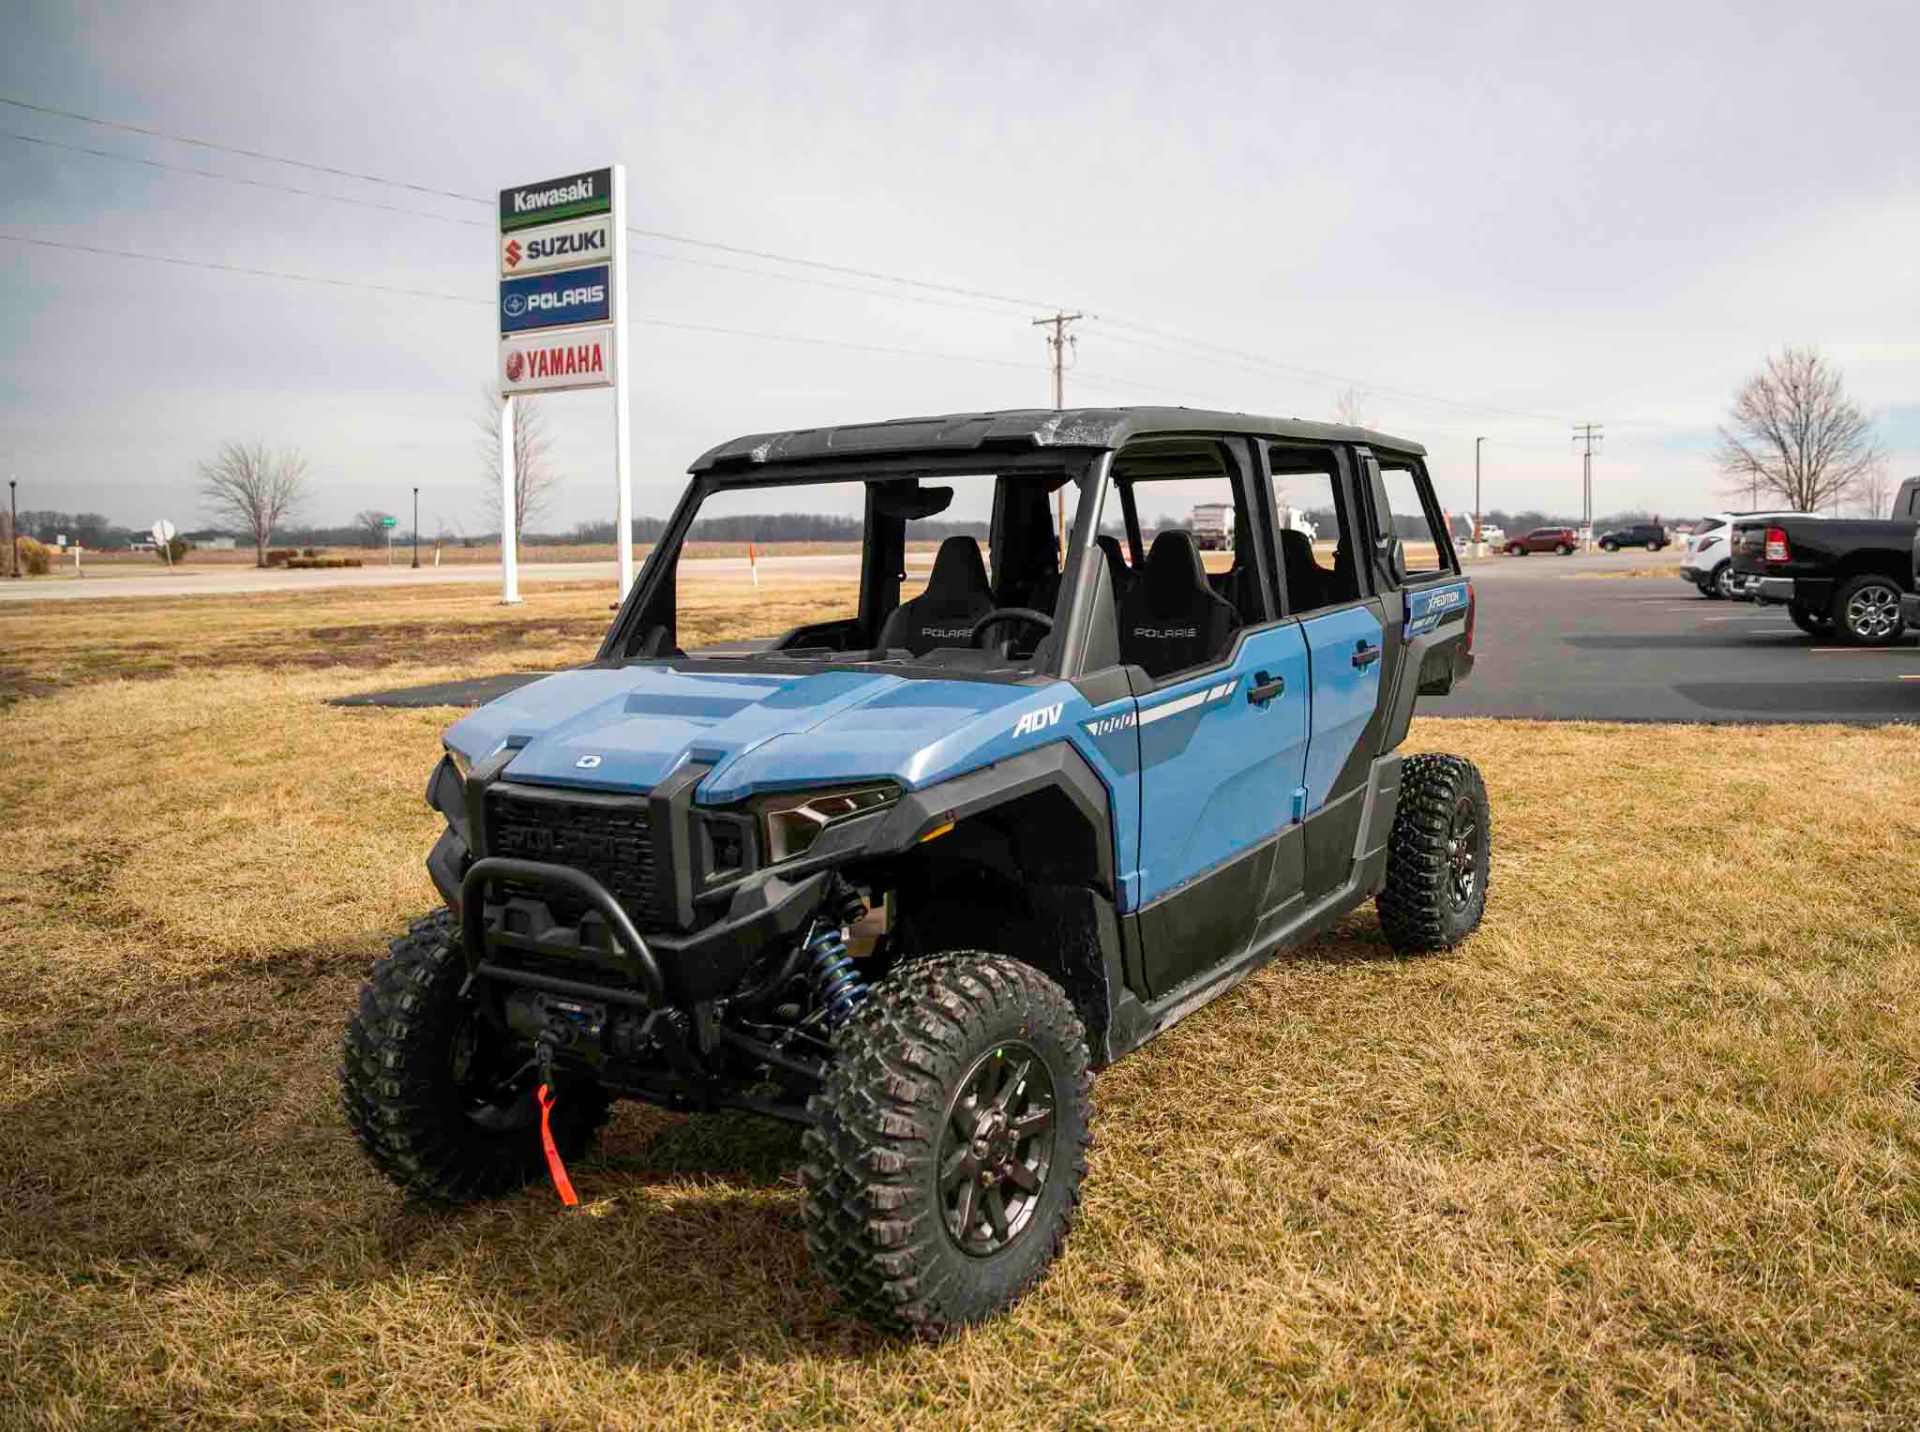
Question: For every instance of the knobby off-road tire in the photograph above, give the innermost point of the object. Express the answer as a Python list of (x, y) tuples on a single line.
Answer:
[(1809, 621), (910, 1097), (1866, 611), (426, 1087), (1439, 857)]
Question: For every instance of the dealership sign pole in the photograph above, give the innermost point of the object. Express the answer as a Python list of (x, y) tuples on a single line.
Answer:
[(562, 262)]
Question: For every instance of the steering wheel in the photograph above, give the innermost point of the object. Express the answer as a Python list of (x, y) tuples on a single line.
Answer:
[(1009, 614)]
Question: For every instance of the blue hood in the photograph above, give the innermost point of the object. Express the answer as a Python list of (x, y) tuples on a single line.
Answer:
[(758, 732)]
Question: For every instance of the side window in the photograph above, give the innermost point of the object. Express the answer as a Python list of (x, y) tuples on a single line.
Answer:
[(1314, 529), (1412, 523), (1200, 581)]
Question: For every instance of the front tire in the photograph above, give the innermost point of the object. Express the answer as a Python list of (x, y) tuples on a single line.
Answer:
[(1609, 546), (435, 1095), (1563, 550), (1866, 611), (944, 1167), (1439, 857)]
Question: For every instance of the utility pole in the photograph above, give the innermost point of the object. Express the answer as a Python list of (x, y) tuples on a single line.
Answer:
[(1057, 342), (13, 520), (1479, 544), (416, 528), (1587, 435)]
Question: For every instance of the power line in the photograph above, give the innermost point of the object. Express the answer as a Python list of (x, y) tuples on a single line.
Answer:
[(1235, 357), (241, 179), (1189, 348), (321, 279), (846, 270), (322, 194)]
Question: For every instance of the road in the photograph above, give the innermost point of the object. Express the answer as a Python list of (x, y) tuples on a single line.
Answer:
[(229, 581)]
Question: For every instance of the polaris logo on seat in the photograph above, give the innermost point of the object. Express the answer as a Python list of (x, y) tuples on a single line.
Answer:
[(1166, 633), (963, 633), (1035, 721)]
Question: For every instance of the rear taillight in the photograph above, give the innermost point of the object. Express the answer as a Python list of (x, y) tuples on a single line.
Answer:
[(1777, 549), (1470, 609)]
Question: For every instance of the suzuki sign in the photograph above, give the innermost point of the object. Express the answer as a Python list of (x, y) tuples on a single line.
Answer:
[(553, 246)]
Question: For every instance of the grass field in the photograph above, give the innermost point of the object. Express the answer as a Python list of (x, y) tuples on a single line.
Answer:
[(1645, 1149)]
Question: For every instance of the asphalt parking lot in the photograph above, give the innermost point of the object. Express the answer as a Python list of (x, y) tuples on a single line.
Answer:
[(1577, 638), (1558, 638)]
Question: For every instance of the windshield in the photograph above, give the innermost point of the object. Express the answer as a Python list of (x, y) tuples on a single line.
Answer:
[(871, 567)]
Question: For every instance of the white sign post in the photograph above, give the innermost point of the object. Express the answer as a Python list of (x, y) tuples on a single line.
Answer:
[(163, 532), (562, 260)]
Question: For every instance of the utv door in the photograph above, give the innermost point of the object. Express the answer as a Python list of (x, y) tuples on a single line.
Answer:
[(1222, 747)]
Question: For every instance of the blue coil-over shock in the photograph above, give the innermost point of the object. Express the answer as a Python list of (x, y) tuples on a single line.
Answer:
[(835, 980)]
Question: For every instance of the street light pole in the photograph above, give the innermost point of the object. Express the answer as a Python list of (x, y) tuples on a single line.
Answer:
[(1479, 545), (416, 527), (13, 520)]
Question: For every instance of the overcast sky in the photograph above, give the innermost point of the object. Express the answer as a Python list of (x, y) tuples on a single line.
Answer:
[(1491, 221)]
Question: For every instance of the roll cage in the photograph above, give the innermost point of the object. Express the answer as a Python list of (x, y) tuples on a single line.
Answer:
[(1104, 454)]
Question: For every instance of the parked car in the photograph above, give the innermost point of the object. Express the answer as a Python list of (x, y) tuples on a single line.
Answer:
[(1650, 535), (1069, 816), (1544, 539), (1841, 578), (1706, 559)]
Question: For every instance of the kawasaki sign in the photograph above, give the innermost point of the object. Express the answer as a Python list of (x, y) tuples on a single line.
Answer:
[(555, 199)]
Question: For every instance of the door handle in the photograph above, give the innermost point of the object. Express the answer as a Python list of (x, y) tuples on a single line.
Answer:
[(1364, 655), (1265, 688)]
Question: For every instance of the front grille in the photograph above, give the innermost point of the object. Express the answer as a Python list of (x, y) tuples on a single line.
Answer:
[(611, 840)]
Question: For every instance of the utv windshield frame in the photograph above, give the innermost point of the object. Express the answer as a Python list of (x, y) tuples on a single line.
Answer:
[(646, 629)]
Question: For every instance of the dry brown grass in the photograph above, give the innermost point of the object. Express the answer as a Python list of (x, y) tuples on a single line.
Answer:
[(1645, 1149)]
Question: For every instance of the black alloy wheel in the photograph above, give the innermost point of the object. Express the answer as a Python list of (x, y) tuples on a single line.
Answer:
[(1463, 852), (996, 1149)]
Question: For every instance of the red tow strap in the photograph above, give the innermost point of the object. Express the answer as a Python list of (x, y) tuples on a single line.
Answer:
[(557, 1170)]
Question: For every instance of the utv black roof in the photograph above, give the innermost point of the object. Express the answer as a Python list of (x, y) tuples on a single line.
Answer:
[(1019, 429)]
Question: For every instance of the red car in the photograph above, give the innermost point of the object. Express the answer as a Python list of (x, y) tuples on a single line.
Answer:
[(1544, 539)]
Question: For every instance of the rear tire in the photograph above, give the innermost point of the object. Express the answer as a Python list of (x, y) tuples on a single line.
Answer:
[(944, 1167), (1439, 857), (430, 1089), (1866, 611), (1809, 621), (1722, 582)]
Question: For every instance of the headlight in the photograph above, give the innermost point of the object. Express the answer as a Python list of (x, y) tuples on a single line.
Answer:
[(792, 823)]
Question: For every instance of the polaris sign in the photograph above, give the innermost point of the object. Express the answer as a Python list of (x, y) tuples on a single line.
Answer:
[(556, 300)]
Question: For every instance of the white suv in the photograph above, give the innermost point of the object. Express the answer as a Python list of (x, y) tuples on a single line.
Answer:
[(1706, 559)]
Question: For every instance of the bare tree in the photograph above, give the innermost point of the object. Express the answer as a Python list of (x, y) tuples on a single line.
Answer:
[(1874, 492), (371, 525), (253, 488), (534, 477), (1795, 437), (1350, 407)]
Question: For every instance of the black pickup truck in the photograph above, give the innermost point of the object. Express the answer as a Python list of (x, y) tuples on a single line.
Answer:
[(1851, 580)]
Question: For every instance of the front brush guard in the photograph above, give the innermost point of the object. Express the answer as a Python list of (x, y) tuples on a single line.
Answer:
[(477, 938)]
